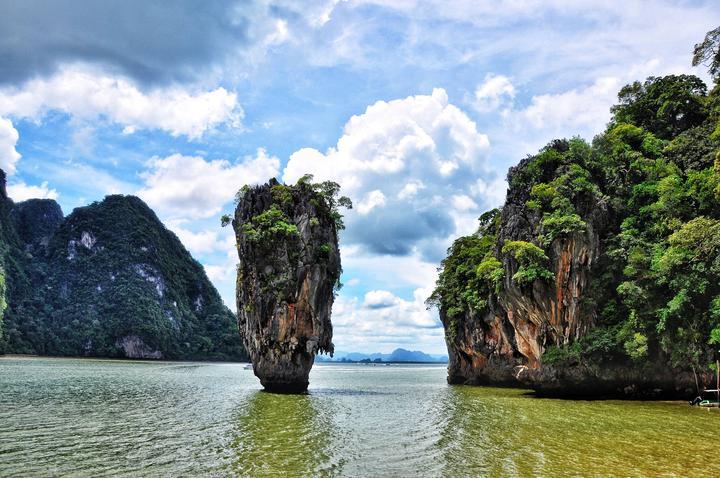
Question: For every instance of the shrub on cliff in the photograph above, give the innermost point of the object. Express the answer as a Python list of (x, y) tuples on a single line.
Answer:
[(648, 189)]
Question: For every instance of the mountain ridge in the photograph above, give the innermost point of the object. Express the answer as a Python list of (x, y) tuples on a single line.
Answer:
[(398, 355), (108, 280)]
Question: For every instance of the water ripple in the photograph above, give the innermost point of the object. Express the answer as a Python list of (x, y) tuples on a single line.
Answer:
[(110, 418)]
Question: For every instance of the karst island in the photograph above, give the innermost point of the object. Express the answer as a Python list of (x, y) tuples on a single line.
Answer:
[(289, 270)]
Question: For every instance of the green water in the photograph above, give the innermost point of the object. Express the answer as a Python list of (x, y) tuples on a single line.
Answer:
[(61, 417)]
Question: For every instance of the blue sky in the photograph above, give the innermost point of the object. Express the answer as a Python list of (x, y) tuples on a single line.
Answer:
[(417, 108)]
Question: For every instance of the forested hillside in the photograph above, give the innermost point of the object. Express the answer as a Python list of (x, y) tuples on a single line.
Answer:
[(109, 280), (601, 272)]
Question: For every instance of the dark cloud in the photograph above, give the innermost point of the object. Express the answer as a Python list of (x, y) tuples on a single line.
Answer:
[(396, 229), (153, 41)]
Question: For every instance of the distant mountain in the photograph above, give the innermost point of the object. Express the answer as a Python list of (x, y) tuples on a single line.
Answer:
[(397, 355), (109, 280)]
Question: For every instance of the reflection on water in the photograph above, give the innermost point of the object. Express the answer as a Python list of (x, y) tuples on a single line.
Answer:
[(64, 417), (282, 434), (505, 432)]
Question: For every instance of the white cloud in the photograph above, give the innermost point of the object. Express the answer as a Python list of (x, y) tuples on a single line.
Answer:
[(8, 139), (387, 271), (463, 202), (384, 321), (221, 273), (410, 189), (191, 187), (204, 241), (495, 92), (379, 299), (583, 110), (197, 243), (90, 94), (21, 192), (402, 161), (372, 200), (587, 107)]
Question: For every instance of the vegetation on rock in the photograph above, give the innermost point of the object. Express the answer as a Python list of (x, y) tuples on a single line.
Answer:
[(637, 212), (288, 274), (109, 280)]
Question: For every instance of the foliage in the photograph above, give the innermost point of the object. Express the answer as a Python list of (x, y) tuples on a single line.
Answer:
[(270, 225), (112, 270), (707, 52), (665, 106), (648, 189), (241, 194), (328, 192), (468, 275), (281, 194), (598, 344), (532, 262)]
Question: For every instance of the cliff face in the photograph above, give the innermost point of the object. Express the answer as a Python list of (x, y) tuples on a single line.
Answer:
[(522, 320), (505, 343), (600, 275), (289, 266), (110, 281)]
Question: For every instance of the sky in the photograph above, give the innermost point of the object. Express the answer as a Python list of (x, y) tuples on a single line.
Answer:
[(417, 108)]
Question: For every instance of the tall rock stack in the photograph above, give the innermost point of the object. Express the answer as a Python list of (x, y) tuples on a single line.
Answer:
[(289, 267)]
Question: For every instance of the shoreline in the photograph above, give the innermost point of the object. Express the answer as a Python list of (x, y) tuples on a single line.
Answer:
[(114, 359)]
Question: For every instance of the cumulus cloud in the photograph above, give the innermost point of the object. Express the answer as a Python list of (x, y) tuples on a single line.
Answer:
[(382, 320), (494, 93), (371, 200), (402, 162), (191, 187), (380, 299), (8, 139), (21, 192), (89, 94), (583, 108), (201, 242)]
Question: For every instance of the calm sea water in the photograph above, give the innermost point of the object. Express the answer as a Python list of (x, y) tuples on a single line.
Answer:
[(62, 417)]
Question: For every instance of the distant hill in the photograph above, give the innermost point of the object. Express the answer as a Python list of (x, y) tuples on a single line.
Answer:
[(397, 355), (109, 280)]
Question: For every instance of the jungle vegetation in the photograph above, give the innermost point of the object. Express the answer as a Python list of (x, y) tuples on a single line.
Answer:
[(653, 176)]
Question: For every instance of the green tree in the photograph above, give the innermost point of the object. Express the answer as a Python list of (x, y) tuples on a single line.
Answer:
[(707, 53)]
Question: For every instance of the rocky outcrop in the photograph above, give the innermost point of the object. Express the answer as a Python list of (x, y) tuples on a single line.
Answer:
[(522, 321), (289, 266), (504, 342), (649, 380), (109, 280), (36, 220), (134, 348)]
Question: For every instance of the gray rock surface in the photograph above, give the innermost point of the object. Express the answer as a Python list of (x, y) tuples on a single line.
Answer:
[(289, 266)]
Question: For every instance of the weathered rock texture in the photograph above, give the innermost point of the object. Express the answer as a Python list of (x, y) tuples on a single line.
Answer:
[(504, 344), (522, 321), (289, 266)]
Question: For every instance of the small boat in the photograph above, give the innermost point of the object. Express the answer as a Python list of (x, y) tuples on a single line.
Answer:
[(702, 401), (248, 366), (708, 403)]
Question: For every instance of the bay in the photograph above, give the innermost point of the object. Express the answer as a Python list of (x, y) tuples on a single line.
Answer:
[(84, 417)]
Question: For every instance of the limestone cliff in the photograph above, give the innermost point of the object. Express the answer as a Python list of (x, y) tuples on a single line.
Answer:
[(522, 320), (554, 291), (109, 280), (289, 266)]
